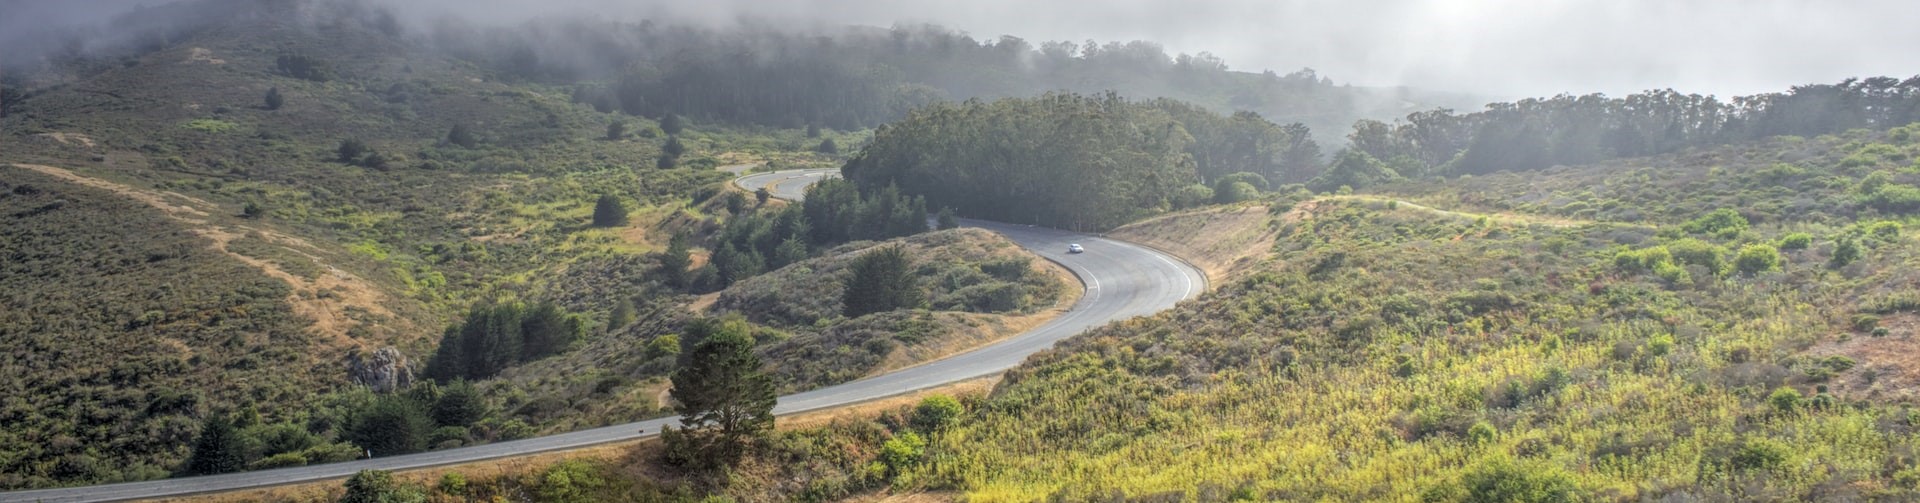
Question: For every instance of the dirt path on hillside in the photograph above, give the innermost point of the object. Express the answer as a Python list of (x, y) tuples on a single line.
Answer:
[(1513, 218), (328, 299)]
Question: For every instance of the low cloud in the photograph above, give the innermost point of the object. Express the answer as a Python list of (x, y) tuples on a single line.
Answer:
[(1497, 48)]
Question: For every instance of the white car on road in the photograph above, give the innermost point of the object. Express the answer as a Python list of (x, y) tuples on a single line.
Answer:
[(1075, 248)]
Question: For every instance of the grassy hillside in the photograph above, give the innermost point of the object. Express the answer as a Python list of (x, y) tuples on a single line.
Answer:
[(1557, 336), (621, 376), (1393, 351), (122, 326), (978, 284), (186, 251)]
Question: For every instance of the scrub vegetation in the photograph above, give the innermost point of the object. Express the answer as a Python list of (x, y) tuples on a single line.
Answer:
[(271, 234), (1469, 339)]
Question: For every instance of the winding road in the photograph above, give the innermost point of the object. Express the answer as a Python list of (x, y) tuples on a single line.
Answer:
[(1122, 280)]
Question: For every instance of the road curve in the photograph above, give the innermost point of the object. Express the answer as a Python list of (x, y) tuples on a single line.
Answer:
[(790, 185), (1122, 280)]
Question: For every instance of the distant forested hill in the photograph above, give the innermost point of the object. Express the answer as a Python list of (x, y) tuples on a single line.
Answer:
[(862, 77), (1569, 130)]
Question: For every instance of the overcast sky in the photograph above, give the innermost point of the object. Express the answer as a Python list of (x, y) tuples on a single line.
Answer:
[(1495, 48)]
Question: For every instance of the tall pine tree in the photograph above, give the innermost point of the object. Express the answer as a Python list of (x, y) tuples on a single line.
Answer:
[(391, 424), (218, 450), (675, 261), (719, 386), (459, 405), (609, 212), (881, 280)]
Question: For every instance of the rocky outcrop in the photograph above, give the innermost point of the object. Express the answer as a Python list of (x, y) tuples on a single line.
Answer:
[(383, 370)]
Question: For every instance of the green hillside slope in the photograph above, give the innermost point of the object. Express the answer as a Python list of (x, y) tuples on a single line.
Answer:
[(1728, 335)]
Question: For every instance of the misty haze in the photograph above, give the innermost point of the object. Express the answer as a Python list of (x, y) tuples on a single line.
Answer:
[(598, 250)]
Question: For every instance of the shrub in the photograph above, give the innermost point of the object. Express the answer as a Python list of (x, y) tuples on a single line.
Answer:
[(945, 219), (571, 481), (1501, 480), (1482, 432), (1873, 182), (514, 430), (1892, 303), (1845, 251), (936, 412), (1760, 453), (1672, 274), (350, 151), (1695, 252), (665, 345), (993, 297), (375, 160), (1642, 260), (1229, 191), (1757, 258), (1009, 269), (1254, 179), (903, 450), (1796, 241), (1192, 195), (377, 486), (1894, 198), (1884, 231), (462, 136), (453, 483), (1722, 222), (447, 437), (305, 67), (1786, 400), (1865, 322)]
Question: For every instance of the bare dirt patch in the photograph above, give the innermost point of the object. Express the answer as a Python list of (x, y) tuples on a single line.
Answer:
[(159, 200), (204, 56), (335, 301), (1886, 368), (702, 303), (1504, 218), (1222, 242), (905, 498), (1300, 212), (75, 139)]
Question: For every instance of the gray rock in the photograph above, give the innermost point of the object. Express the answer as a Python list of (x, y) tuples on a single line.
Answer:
[(383, 370)]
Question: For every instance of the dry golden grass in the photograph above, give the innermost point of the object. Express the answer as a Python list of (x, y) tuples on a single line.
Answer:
[(1886, 368), (1221, 241)]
